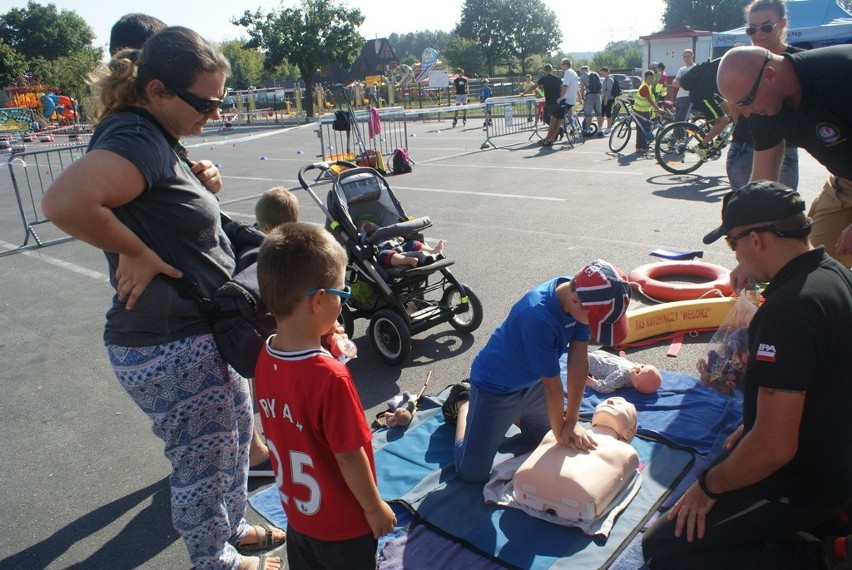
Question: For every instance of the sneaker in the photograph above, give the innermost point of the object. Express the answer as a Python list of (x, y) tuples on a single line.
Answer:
[(458, 393), (702, 151), (464, 122), (454, 123)]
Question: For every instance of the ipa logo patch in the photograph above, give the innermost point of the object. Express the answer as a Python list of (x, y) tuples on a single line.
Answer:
[(766, 352)]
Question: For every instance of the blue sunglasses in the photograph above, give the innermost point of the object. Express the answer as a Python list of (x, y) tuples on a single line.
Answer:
[(344, 293)]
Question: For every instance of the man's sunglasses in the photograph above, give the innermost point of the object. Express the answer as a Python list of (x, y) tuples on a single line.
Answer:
[(749, 99), (200, 104), (764, 28)]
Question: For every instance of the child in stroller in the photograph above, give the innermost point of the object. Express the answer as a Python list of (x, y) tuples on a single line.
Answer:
[(399, 251), (399, 300)]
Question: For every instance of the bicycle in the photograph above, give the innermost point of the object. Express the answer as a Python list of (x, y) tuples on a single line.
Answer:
[(677, 148), (623, 127), (572, 130)]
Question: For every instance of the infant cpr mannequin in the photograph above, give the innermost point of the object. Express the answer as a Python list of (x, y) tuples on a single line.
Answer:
[(580, 486)]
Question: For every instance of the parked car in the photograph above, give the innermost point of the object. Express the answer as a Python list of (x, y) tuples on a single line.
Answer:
[(46, 137), (624, 81), (18, 147), (5, 146), (6, 137), (28, 137)]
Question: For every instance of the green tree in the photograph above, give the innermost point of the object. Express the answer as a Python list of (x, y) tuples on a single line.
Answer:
[(411, 45), (702, 15), (246, 64), (529, 27), (41, 31), (465, 53), (321, 32), (625, 54), (12, 65), (482, 22), (68, 74)]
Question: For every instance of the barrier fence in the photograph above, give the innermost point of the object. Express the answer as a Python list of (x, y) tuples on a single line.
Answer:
[(348, 144), (31, 173), (509, 116)]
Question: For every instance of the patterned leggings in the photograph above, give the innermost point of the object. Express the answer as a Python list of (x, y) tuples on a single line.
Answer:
[(202, 410)]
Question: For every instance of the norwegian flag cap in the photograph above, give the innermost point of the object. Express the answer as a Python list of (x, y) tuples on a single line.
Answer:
[(604, 293)]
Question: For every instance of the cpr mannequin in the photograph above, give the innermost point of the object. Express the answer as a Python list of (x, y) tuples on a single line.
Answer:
[(580, 486)]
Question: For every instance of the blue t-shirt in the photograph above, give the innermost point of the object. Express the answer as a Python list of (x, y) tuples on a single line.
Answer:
[(529, 343)]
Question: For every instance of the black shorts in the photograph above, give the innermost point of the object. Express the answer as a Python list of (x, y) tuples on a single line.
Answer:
[(561, 109), (356, 553), (606, 108)]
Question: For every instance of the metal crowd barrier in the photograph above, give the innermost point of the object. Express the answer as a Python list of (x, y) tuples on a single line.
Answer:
[(355, 142), (31, 173), (509, 116)]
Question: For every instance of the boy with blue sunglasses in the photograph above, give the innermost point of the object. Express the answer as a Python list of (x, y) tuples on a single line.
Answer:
[(313, 419)]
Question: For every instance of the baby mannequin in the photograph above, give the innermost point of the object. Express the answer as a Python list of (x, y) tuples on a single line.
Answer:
[(580, 486), (608, 373)]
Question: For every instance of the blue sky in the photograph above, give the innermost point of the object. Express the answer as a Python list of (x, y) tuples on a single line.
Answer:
[(585, 26)]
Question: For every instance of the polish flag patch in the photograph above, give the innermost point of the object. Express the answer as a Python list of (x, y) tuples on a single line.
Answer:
[(766, 352)]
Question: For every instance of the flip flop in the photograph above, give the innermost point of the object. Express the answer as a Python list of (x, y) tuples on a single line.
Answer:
[(265, 541)]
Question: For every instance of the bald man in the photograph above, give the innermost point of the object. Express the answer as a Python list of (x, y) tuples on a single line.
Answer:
[(800, 99)]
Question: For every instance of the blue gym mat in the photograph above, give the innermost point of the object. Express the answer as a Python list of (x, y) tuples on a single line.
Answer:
[(414, 466)]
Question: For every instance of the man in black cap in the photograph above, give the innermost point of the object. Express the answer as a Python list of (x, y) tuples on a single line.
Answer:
[(788, 467)]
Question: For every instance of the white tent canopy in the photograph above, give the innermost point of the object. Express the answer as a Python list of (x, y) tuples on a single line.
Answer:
[(819, 22)]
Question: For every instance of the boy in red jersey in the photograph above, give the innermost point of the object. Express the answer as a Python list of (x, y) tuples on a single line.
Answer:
[(314, 423)]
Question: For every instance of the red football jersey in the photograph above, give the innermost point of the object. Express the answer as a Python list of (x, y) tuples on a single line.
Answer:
[(310, 410)]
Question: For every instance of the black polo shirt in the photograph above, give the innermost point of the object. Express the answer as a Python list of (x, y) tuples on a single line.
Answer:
[(552, 87), (823, 123), (801, 340)]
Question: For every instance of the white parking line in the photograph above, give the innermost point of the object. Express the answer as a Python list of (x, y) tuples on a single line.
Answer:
[(35, 254)]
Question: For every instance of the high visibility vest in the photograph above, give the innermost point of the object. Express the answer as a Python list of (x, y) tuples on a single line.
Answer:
[(641, 104), (660, 91)]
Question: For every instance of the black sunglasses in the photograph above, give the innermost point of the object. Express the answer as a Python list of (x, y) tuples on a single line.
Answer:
[(749, 99), (200, 104), (765, 28), (732, 240)]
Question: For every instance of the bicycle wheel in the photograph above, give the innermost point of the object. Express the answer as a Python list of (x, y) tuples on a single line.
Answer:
[(676, 148), (620, 135), (577, 131)]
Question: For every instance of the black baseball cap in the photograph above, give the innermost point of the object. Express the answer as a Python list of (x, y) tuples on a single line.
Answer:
[(755, 203)]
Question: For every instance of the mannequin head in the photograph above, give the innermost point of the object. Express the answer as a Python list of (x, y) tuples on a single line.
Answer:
[(617, 414), (645, 378)]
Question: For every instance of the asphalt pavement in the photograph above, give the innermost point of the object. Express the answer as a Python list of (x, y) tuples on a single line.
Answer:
[(84, 481)]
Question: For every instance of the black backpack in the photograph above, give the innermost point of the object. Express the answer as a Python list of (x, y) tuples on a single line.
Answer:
[(616, 87), (341, 121), (700, 81), (400, 161), (594, 83)]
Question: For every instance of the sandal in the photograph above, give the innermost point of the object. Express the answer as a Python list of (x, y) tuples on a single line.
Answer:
[(265, 540), (261, 564), (458, 393)]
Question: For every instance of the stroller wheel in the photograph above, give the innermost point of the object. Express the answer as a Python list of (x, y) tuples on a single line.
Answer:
[(463, 320), (389, 336)]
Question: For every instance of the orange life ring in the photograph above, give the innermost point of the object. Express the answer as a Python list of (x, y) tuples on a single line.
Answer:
[(644, 279)]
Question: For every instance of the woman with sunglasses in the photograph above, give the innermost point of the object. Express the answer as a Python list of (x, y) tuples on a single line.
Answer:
[(136, 196), (766, 25)]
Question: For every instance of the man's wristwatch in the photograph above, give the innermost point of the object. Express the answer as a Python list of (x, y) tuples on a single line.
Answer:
[(702, 484)]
